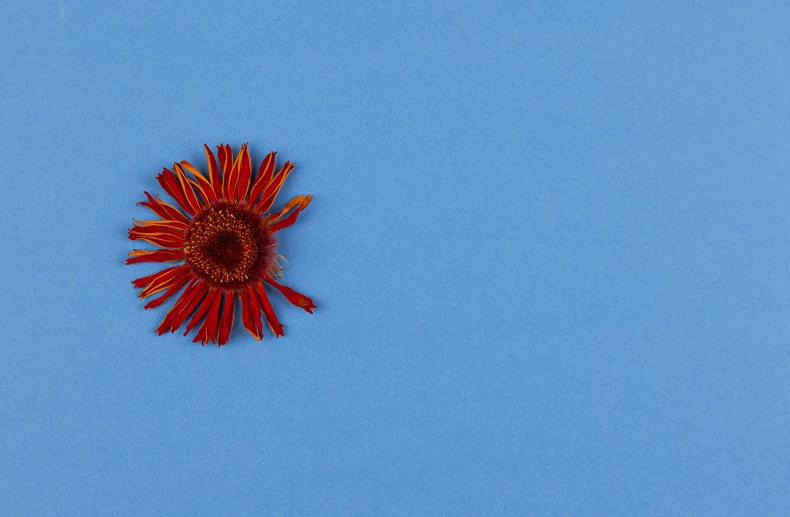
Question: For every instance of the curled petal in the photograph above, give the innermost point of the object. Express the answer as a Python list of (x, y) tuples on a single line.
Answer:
[(268, 311), (279, 221), (292, 296)]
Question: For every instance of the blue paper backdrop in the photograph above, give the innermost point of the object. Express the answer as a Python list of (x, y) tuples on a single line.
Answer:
[(549, 246)]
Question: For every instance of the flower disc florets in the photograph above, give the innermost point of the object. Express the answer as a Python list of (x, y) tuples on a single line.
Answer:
[(227, 244)]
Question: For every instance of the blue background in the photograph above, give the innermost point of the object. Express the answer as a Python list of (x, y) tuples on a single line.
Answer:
[(548, 244)]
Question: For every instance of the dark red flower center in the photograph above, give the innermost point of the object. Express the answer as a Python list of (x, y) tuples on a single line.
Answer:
[(227, 244)]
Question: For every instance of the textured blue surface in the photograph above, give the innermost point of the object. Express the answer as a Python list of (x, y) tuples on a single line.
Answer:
[(549, 246)]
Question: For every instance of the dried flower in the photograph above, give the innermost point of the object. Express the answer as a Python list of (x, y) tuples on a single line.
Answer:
[(222, 248)]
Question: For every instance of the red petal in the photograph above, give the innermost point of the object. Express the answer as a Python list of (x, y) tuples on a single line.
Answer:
[(213, 172), (274, 188), (165, 255), (255, 306), (225, 161), (177, 285), (171, 185), (245, 313), (186, 188), (250, 315), (202, 185), (202, 309), (226, 322), (264, 177), (208, 332), (163, 280), (144, 281), (271, 317), (245, 173), (163, 239), (278, 223), (163, 223), (180, 303), (183, 307), (285, 223), (156, 228), (231, 183), (164, 210), (292, 296)]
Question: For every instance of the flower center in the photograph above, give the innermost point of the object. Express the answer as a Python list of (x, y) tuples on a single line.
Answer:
[(227, 244)]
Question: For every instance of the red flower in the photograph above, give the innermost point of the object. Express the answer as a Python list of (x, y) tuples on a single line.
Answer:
[(225, 245)]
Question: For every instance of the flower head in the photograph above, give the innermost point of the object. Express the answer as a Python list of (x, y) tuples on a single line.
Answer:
[(221, 245)]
